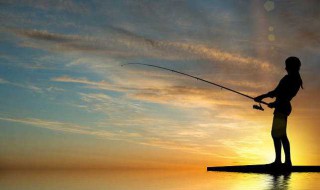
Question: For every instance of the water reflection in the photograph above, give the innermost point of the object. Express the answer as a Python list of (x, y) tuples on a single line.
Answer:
[(153, 180), (280, 181)]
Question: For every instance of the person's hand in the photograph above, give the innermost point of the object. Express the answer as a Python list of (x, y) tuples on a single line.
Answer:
[(258, 98), (272, 105)]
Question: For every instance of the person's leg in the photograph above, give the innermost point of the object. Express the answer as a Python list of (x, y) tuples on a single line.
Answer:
[(286, 148), (276, 134), (277, 148)]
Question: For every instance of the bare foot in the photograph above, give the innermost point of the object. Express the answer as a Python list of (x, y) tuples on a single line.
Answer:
[(288, 163), (275, 163)]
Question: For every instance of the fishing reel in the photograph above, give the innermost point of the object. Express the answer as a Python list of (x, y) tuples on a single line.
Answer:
[(258, 107)]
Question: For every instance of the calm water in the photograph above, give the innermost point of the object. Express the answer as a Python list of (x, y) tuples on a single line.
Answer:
[(137, 180)]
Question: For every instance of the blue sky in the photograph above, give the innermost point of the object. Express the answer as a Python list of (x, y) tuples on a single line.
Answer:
[(65, 99)]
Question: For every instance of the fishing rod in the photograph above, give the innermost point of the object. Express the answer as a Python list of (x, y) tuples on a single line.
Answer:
[(258, 107)]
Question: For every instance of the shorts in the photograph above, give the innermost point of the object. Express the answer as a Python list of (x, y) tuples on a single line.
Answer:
[(279, 125)]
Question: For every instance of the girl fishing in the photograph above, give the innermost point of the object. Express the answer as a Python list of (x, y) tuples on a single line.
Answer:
[(287, 88)]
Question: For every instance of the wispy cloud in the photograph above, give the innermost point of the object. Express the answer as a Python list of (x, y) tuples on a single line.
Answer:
[(185, 96), (31, 86), (67, 127), (128, 44), (3, 81), (47, 36), (66, 5), (101, 133), (59, 126), (102, 85), (130, 122), (169, 132), (20, 85)]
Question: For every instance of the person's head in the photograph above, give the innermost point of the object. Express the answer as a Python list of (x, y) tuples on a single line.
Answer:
[(293, 64)]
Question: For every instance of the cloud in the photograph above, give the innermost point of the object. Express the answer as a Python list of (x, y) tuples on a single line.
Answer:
[(60, 42), (102, 85), (31, 86), (163, 129), (215, 54), (185, 96), (65, 5), (198, 50), (128, 44), (3, 81), (47, 36), (28, 86), (132, 137), (67, 127)]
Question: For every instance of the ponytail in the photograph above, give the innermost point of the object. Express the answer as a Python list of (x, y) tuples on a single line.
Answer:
[(301, 82)]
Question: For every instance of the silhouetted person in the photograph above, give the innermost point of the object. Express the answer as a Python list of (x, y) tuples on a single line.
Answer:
[(287, 88)]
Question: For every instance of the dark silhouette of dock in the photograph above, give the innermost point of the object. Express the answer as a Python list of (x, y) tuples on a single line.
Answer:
[(267, 169)]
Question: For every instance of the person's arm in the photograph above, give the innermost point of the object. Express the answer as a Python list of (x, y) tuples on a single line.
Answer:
[(270, 94), (261, 97), (273, 93)]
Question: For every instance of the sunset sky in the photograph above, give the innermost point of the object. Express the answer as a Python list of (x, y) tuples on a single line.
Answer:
[(66, 102)]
